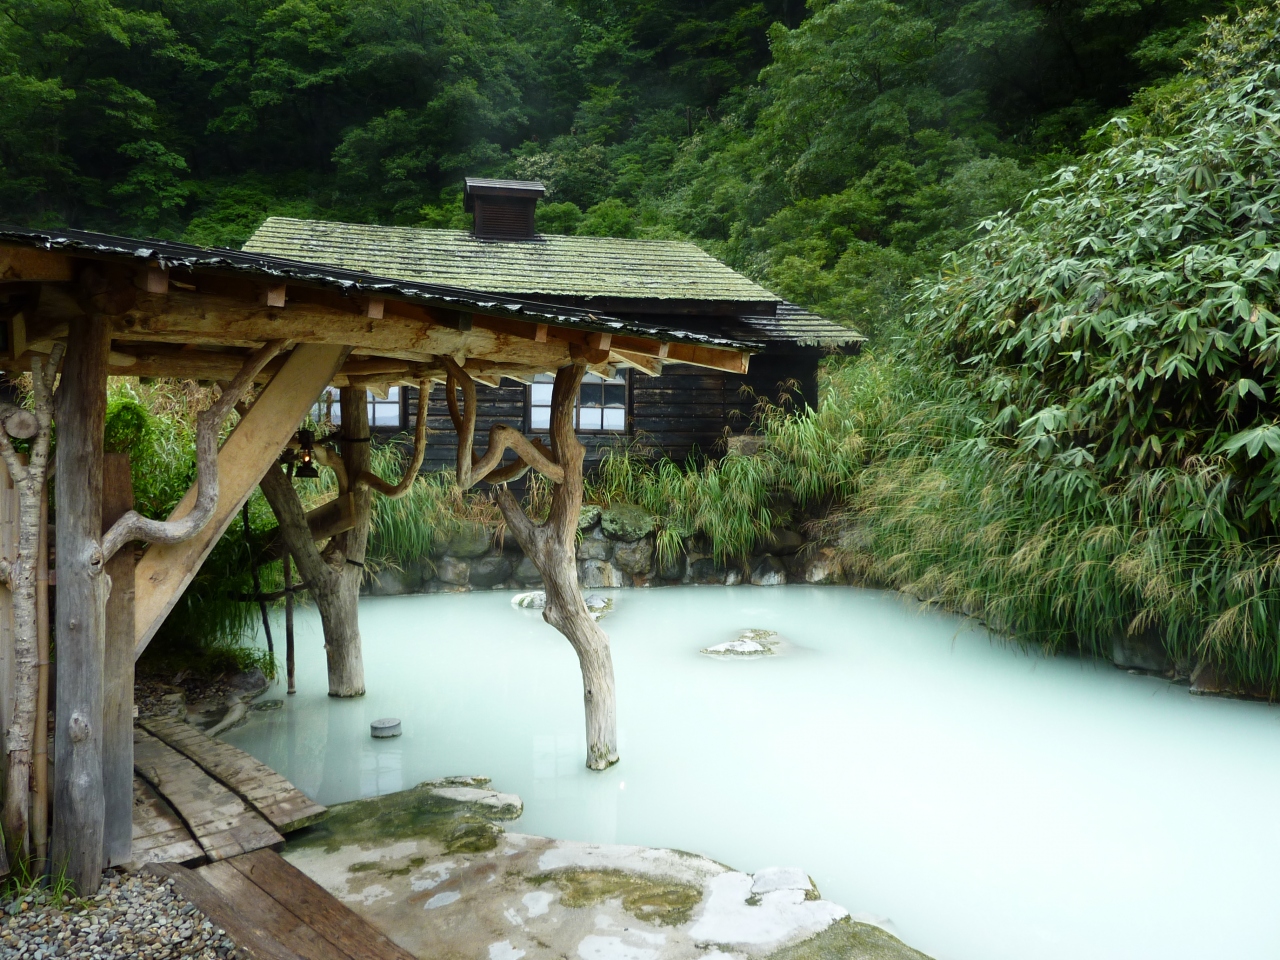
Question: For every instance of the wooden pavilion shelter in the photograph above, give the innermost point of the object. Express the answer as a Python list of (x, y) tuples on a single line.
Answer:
[(161, 309)]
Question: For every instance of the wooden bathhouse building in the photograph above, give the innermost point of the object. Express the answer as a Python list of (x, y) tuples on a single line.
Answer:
[(660, 283), (86, 306)]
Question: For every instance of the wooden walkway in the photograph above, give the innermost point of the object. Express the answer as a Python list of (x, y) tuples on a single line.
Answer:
[(207, 816), (273, 911), (197, 799)]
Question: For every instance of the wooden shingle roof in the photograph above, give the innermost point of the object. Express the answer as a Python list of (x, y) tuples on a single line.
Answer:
[(546, 266), (794, 324)]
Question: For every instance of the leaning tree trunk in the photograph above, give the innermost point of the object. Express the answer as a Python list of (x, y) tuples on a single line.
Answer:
[(333, 578), (549, 545)]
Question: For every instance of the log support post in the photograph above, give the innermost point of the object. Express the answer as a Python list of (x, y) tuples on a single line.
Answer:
[(78, 805), (117, 720)]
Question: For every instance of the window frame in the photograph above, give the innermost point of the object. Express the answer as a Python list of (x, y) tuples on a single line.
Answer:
[(372, 404), (623, 374)]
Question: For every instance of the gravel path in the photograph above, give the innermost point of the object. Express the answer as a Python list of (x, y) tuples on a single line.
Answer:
[(132, 916)]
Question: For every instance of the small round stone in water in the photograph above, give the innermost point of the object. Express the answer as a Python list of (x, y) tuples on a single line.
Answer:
[(387, 727)]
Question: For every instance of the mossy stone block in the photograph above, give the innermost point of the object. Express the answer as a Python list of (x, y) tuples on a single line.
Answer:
[(471, 540), (625, 521)]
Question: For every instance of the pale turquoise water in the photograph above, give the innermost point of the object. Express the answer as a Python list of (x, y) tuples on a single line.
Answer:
[(991, 803)]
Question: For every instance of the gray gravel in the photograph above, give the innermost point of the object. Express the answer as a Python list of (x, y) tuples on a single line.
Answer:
[(132, 916)]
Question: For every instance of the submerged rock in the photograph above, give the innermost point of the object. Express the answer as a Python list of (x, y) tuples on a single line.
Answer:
[(598, 606), (749, 643), (533, 600)]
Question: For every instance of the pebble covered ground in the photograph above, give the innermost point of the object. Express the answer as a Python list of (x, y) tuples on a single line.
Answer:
[(134, 915)]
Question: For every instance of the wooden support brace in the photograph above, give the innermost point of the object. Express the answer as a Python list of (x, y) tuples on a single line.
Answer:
[(276, 295), (540, 335), (253, 446), (375, 307), (117, 680), (154, 279)]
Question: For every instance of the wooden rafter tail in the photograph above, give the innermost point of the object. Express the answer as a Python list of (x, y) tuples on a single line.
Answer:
[(134, 526)]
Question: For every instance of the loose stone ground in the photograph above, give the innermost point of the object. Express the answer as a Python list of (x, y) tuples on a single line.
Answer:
[(131, 916)]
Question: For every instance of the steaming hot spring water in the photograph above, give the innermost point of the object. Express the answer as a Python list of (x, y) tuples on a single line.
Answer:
[(981, 801)]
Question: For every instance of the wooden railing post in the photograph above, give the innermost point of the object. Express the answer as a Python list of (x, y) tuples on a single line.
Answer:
[(78, 806), (117, 712)]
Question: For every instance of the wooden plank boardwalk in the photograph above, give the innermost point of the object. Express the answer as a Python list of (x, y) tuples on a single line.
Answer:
[(283, 805), (206, 815), (198, 799), (273, 911)]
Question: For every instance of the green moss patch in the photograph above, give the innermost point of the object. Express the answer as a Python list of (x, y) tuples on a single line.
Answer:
[(413, 814), (849, 940), (658, 901)]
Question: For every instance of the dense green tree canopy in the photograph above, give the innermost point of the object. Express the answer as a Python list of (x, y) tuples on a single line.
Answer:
[(834, 150)]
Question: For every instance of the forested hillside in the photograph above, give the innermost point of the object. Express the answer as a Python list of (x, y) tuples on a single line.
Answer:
[(834, 150)]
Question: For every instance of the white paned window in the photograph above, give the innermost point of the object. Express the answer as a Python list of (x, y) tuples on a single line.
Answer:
[(601, 407), (382, 413)]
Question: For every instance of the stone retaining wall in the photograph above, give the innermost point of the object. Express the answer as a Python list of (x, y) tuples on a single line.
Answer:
[(617, 548)]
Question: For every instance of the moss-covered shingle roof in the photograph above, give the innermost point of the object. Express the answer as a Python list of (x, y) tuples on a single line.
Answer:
[(551, 266)]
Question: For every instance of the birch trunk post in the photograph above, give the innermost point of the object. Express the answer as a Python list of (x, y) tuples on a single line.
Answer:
[(333, 575), (117, 707), (23, 575), (550, 545)]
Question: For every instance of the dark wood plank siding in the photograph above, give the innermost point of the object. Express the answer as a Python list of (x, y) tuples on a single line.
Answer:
[(682, 412)]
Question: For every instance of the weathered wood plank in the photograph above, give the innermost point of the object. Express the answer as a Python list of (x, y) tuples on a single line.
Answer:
[(283, 804), (250, 938), (78, 809), (279, 921), (165, 569), (220, 821), (321, 911), (117, 704), (158, 835)]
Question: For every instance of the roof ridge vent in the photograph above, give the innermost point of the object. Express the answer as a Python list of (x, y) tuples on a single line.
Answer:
[(502, 209)]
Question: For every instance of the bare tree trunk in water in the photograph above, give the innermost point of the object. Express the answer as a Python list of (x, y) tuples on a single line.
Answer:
[(549, 545), (333, 577)]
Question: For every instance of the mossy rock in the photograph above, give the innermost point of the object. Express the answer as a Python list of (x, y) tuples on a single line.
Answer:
[(664, 902), (849, 940), (625, 521), (470, 540), (588, 516), (416, 813)]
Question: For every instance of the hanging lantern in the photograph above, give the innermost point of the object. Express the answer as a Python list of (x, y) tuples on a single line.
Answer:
[(305, 463)]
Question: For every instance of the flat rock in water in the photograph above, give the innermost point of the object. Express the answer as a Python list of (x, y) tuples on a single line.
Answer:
[(749, 644), (598, 606)]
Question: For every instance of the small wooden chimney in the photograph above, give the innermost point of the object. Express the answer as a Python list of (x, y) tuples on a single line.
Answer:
[(502, 209)]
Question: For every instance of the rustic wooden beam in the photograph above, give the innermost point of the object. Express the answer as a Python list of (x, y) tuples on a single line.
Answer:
[(181, 317), (599, 341), (117, 711), (712, 357), (24, 263), (648, 365), (78, 806), (540, 334), (375, 307), (253, 446), (154, 279), (275, 295)]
